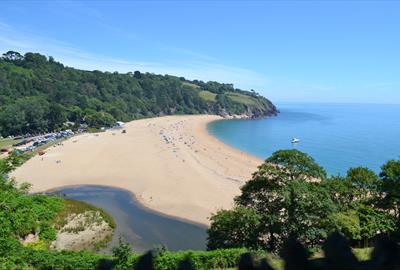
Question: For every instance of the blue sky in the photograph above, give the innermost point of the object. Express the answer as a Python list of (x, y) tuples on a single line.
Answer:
[(336, 51)]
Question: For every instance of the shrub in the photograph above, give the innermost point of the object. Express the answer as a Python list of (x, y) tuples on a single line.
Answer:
[(47, 232), (222, 258)]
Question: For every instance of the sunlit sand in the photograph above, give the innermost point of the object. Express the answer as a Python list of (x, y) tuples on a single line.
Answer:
[(170, 163)]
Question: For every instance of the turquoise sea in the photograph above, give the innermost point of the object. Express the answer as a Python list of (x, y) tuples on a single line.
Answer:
[(338, 136)]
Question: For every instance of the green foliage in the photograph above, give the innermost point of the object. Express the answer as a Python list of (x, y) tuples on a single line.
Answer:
[(26, 114), (21, 215), (39, 245), (47, 232), (341, 192), (8, 142), (234, 229), (216, 259), (11, 162), (207, 95), (286, 203), (390, 175), (36, 258), (362, 177), (78, 207), (99, 119), (374, 221), (39, 94), (122, 255), (59, 260), (347, 223), (298, 165), (362, 254), (291, 196), (364, 180), (244, 99)]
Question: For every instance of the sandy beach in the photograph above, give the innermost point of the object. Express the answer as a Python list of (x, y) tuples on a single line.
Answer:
[(170, 163)]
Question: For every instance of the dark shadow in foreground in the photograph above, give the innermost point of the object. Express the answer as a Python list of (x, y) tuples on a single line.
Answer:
[(338, 256)]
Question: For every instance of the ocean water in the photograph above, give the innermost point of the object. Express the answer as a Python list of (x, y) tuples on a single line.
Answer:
[(337, 136)]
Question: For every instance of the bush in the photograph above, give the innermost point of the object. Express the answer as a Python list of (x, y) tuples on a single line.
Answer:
[(47, 232), (222, 258), (39, 245), (63, 260)]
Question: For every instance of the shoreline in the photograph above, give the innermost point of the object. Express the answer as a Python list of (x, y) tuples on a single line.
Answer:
[(171, 164), (139, 204)]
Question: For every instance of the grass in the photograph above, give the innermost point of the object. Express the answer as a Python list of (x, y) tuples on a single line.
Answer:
[(7, 143), (29, 154), (207, 95), (79, 207), (363, 254), (74, 207), (190, 85), (240, 98)]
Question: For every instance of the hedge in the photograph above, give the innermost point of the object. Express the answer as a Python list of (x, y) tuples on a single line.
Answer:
[(28, 258)]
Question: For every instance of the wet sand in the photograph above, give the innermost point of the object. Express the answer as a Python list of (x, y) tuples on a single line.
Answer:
[(170, 163)]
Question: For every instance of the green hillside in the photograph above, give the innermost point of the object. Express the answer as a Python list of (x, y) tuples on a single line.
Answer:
[(38, 94)]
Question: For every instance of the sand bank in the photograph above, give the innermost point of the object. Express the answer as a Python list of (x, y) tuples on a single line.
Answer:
[(170, 163)]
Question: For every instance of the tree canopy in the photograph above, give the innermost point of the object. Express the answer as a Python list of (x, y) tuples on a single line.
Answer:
[(38, 94), (291, 196)]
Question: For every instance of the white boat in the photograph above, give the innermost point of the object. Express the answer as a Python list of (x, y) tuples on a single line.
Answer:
[(295, 140)]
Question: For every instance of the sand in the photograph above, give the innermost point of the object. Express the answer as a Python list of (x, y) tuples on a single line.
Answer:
[(82, 231), (170, 163)]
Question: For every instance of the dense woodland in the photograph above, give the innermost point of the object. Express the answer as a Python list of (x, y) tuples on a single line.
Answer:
[(38, 94), (291, 196)]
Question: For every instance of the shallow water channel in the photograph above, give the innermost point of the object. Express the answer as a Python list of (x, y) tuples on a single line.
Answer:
[(143, 228)]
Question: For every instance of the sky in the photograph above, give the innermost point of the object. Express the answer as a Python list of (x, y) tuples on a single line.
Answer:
[(301, 51)]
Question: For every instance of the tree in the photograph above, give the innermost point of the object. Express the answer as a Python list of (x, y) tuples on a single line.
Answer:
[(32, 60), (57, 116), (306, 204), (373, 222), (290, 196), (137, 74), (286, 201), (12, 56), (364, 180), (390, 176), (36, 85), (346, 222), (12, 120), (234, 229), (99, 119), (341, 192), (298, 164), (122, 253), (75, 114)]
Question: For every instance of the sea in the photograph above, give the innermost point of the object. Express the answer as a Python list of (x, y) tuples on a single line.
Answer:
[(337, 136)]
